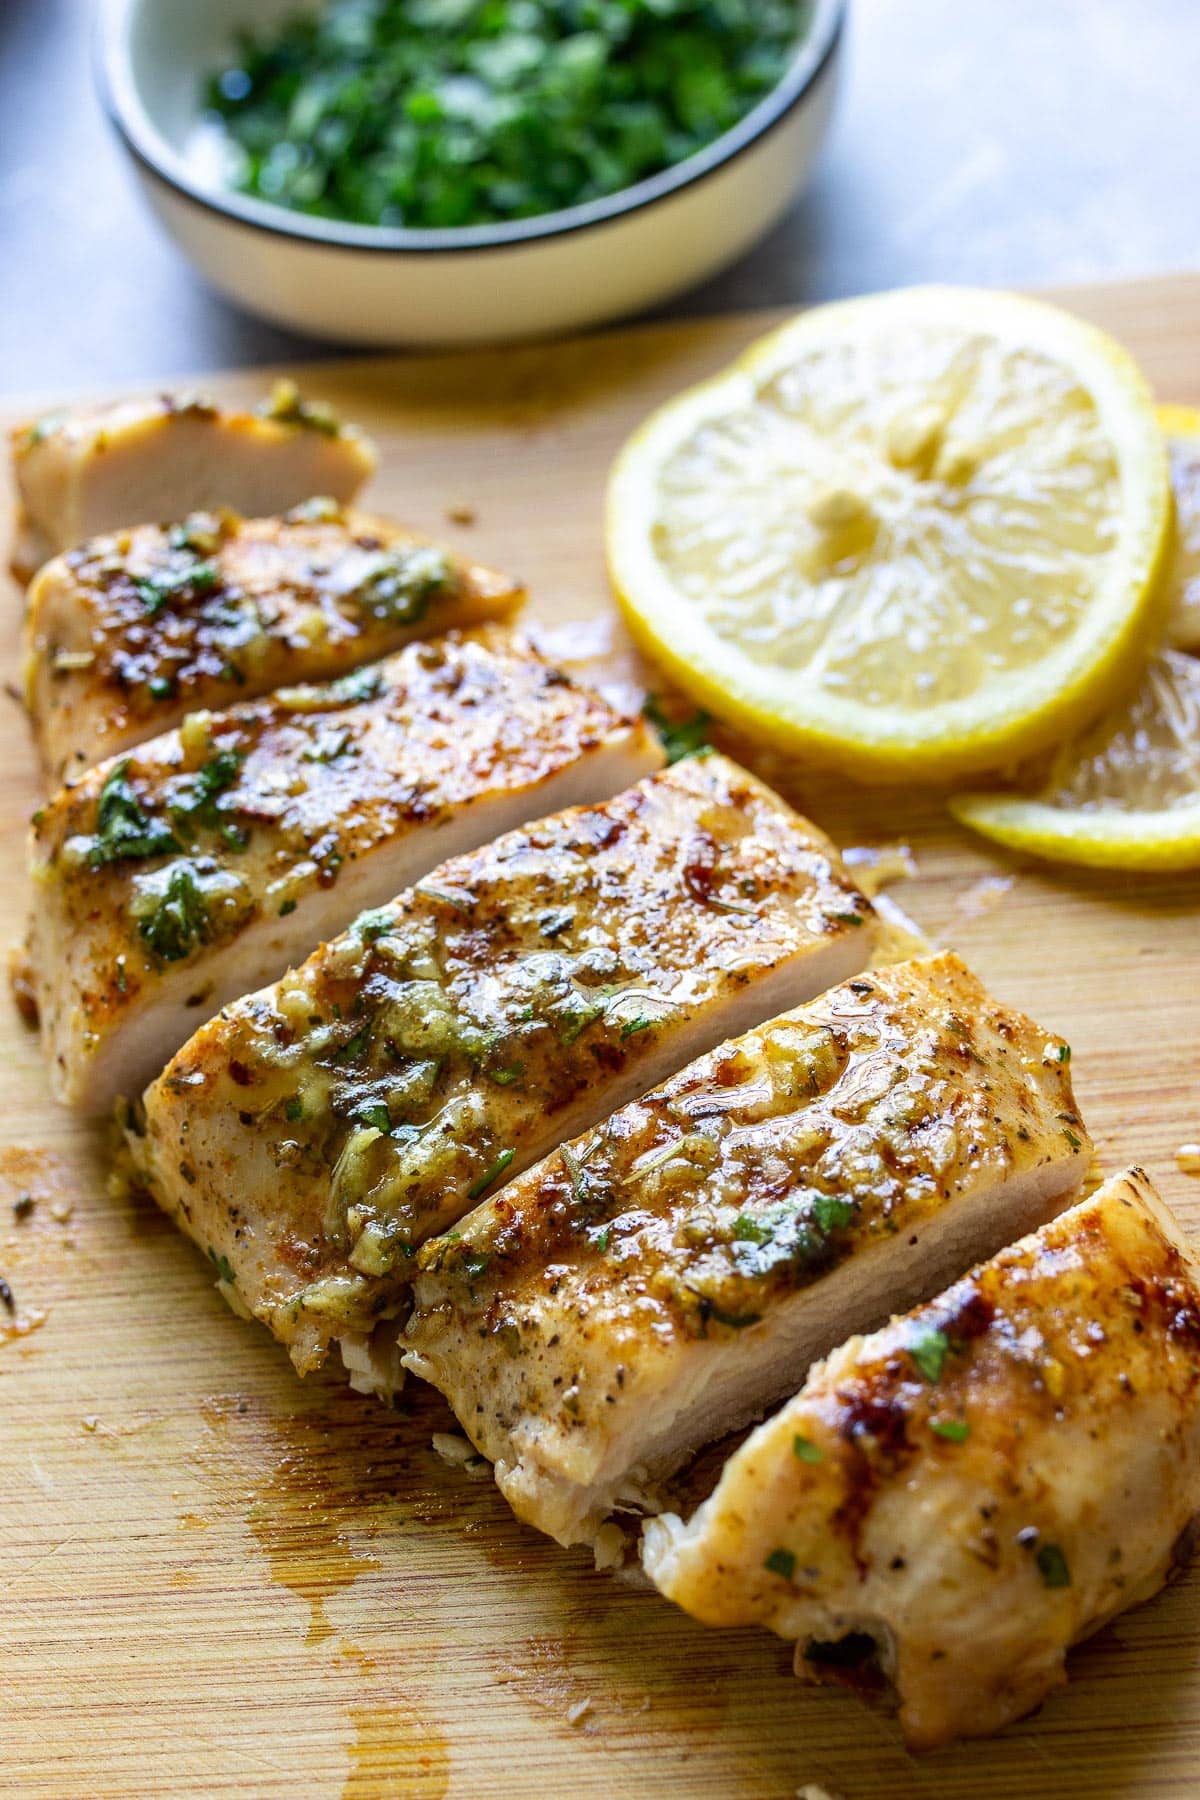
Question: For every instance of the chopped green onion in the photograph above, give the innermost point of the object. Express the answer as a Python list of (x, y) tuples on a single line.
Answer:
[(833, 1211), (631, 1027), (156, 592), (286, 405), (370, 926), (443, 113), (929, 1352), (1053, 1567), (493, 1174), (124, 828), (177, 920), (781, 1562), (680, 737), (223, 1267)]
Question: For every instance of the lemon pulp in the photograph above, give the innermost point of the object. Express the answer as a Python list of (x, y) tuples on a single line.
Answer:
[(1127, 793), (1126, 796), (1181, 427)]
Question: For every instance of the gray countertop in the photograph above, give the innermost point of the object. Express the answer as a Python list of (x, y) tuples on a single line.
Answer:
[(1007, 142)]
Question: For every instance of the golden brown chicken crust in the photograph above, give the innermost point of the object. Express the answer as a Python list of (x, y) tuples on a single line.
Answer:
[(580, 1304), (320, 1130), (130, 632), (948, 1505), (154, 861), (707, 1193)]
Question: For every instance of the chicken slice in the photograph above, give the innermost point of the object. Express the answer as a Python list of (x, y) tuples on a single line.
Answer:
[(129, 633), (316, 1133), (173, 879), (94, 469), (661, 1281), (948, 1505)]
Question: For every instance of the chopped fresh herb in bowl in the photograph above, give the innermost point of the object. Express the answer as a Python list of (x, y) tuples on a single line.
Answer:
[(449, 113)]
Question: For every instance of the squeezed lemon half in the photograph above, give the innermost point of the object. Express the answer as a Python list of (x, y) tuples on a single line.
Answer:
[(913, 536), (1126, 794)]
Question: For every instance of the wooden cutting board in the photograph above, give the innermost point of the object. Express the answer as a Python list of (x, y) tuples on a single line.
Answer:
[(216, 1579)]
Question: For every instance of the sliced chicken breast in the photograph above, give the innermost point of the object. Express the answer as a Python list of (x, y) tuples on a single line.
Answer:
[(93, 469), (316, 1133), (173, 879), (948, 1505), (129, 633), (664, 1279)]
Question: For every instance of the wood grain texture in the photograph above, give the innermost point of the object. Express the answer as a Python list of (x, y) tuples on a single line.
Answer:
[(215, 1579)]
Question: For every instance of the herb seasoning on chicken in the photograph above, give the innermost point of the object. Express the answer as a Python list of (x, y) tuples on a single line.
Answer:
[(129, 633), (658, 1282), (174, 878), (319, 1131), (948, 1505)]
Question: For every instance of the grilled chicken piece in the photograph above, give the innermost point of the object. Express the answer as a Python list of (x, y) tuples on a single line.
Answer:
[(945, 1507), (664, 1279), (316, 1133), (95, 469), (171, 880), (129, 633)]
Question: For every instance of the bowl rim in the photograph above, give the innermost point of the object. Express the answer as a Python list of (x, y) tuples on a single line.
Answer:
[(129, 117)]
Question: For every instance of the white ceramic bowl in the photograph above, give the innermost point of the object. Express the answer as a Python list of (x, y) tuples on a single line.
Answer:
[(367, 285)]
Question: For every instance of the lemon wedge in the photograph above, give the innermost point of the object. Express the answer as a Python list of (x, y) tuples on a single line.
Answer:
[(1126, 795), (1181, 428), (911, 536)]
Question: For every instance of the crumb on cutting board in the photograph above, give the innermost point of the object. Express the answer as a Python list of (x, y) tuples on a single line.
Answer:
[(458, 1453)]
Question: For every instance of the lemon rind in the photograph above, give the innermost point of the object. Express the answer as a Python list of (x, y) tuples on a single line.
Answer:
[(1175, 421), (1137, 841)]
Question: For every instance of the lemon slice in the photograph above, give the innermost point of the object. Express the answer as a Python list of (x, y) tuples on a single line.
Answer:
[(1124, 796), (1181, 428), (912, 535), (1127, 794)]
